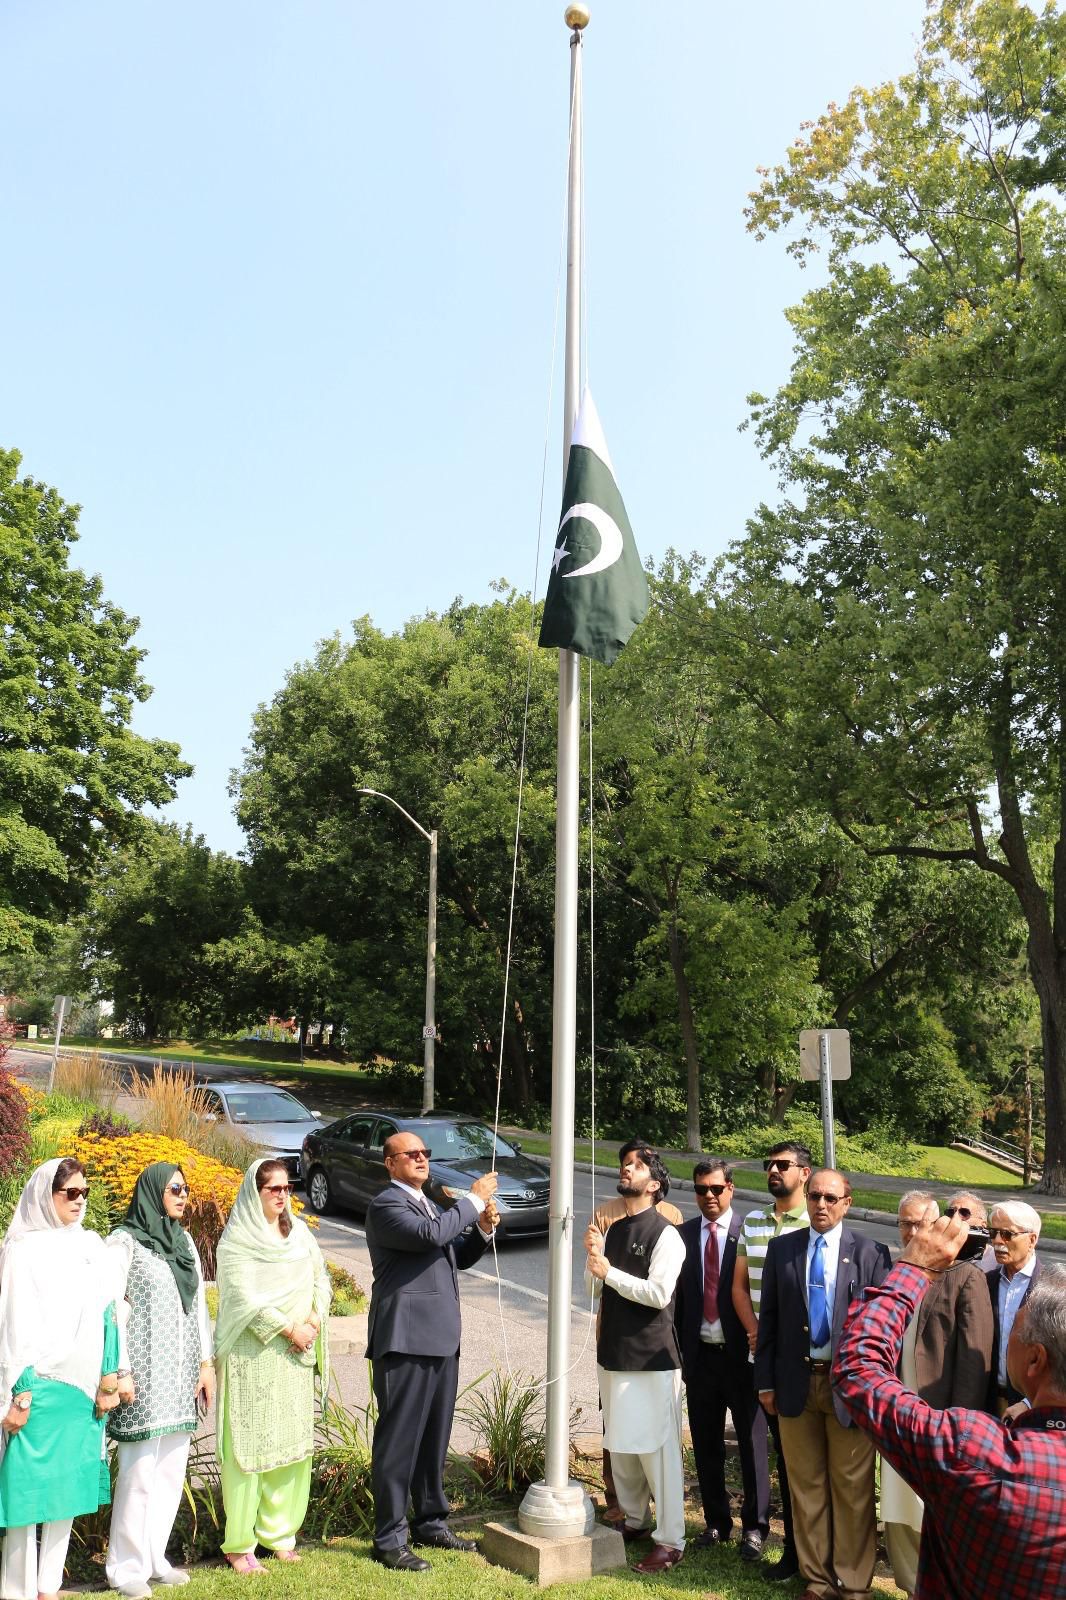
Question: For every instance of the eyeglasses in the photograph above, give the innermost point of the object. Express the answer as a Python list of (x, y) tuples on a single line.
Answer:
[(781, 1166), (816, 1196), (959, 1211), (711, 1188), (1006, 1234), (278, 1188), (412, 1155), (73, 1193), (181, 1188)]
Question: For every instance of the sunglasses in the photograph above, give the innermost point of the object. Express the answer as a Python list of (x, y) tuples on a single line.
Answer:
[(412, 1155), (817, 1195), (73, 1193), (178, 1188), (780, 1166), (1006, 1234), (959, 1211), (278, 1188), (711, 1188)]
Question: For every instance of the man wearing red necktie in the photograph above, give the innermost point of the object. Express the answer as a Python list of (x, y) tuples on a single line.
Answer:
[(716, 1368)]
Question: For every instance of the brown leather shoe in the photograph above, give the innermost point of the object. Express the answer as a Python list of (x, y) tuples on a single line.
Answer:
[(660, 1558)]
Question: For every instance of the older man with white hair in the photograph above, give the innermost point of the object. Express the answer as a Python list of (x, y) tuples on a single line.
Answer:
[(946, 1359), (1014, 1229)]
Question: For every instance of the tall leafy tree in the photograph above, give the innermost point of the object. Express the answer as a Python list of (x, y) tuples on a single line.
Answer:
[(72, 772), (900, 619)]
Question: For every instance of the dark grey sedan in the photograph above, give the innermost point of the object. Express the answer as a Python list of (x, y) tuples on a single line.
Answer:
[(344, 1165)]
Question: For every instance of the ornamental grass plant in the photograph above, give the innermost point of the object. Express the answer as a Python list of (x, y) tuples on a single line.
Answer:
[(88, 1078)]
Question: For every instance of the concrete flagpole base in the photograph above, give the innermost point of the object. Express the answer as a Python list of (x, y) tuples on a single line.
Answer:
[(555, 1557)]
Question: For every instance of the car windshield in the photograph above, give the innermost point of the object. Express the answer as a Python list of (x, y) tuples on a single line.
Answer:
[(266, 1105), (461, 1140)]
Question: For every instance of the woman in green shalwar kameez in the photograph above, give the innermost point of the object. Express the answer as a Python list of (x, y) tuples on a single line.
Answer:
[(58, 1376), (270, 1337)]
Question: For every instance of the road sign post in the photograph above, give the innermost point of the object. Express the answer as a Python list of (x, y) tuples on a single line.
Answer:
[(825, 1055), (61, 1005)]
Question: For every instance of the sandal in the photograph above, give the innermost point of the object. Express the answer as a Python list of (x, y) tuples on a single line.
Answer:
[(286, 1555), (244, 1563)]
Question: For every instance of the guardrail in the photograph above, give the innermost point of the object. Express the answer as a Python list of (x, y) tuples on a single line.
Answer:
[(1001, 1151)]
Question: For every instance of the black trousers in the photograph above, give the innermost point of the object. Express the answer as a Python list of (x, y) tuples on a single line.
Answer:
[(415, 1398), (722, 1382), (782, 1478)]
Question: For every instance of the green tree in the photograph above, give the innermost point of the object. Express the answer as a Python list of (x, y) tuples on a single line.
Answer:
[(900, 620), (160, 905), (72, 773)]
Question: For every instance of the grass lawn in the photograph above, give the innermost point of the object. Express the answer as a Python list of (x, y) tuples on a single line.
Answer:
[(276, 1061), (344, 1570)]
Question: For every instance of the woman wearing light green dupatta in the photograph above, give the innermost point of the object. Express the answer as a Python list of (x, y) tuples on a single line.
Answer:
[(270, 1338)]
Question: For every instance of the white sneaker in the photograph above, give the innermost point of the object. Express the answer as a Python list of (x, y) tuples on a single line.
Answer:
[(174, 1578), (135, 1591)]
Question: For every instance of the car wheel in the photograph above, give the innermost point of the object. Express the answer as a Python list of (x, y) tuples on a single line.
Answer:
[(318, 1190)]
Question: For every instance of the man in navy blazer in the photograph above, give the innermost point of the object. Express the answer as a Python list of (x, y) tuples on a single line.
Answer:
[(415, 1250), (1014, 1228), (716, 1368), (811, 1277)]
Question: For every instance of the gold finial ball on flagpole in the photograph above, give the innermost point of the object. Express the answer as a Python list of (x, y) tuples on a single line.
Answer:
[(577, 16)]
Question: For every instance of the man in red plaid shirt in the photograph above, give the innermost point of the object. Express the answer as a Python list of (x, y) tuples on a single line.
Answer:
[(994, 1492)]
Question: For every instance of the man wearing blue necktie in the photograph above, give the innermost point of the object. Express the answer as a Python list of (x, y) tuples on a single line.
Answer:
[(811, 1277)]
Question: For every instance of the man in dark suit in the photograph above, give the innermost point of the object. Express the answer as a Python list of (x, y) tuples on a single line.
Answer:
[(715, 1366), (415, 1250), (1013, 1229), (810, 1279)]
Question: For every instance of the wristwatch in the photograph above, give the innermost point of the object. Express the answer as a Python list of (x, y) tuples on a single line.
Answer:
[(22, 1405)]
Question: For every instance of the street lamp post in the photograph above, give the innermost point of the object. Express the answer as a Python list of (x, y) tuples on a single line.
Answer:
[(429, 1030)]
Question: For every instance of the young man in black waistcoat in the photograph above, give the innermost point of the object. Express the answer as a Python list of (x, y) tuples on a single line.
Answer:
[(634, 1269)]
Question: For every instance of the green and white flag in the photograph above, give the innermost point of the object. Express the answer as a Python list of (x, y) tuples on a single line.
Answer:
[(597, 591)]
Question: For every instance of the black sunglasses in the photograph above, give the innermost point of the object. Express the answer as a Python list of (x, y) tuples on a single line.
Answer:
[(412, 1155), (782, 1166), (74, 1194), (178, 1188), (959, 1211), (711, 1188)]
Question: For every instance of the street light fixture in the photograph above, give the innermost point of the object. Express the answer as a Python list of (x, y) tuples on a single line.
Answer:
[(429, 1030)]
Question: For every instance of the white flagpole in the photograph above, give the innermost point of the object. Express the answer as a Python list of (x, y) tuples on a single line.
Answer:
[(558, 1508)]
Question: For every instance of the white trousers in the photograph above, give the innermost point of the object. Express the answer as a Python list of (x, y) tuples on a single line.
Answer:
[(654, 1475), (151, 1475), (23, 1573)]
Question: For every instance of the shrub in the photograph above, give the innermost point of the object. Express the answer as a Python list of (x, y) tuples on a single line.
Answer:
[(348, 1298), (14, 1128), (107, 1125), (507, 1421), (342, 1499), (170, 1102)]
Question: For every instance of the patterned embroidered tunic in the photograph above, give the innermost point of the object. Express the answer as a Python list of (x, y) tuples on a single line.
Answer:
[(165, 1344)]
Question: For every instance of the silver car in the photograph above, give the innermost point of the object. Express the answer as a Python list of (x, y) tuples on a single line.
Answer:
[(269, 1117)]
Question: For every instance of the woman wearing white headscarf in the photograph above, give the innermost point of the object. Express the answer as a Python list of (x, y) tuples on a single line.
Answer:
[(270, 1337), (59, 1357)]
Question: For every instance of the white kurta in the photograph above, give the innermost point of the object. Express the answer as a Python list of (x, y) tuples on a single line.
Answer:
[(899, 1503), (642, 1410)]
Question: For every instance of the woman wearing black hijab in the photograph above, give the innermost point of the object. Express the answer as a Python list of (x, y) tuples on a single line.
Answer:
[(168, 1336)]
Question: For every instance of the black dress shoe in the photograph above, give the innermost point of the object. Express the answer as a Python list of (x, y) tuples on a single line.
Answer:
[(779, 1571), (401, 1559), (751, 1544), (630, 1534), (711, 1537), (445, 1540)]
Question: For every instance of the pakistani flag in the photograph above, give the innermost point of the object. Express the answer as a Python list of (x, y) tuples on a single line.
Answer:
[(597, 592)]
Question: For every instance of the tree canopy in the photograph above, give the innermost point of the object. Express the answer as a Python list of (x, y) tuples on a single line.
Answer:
[(72, 772)]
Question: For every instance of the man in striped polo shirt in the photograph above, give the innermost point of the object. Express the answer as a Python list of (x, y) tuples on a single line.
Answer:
[(787, 1167)]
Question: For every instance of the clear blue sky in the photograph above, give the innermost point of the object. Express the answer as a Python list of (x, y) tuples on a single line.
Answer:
[(278, 282)]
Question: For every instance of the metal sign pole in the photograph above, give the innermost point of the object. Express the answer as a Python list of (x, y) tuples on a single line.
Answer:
[(825, 1078), (59, 1034)]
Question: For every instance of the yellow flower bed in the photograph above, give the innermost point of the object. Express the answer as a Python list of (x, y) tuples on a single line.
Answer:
[(35, 1099), (118, 1163)]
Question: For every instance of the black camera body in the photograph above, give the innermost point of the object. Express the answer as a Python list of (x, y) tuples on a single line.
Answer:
[(974, 1245)]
